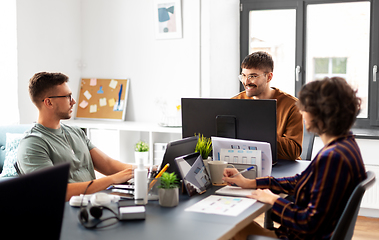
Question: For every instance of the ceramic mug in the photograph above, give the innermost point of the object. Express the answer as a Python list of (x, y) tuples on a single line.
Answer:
[(216, 169)]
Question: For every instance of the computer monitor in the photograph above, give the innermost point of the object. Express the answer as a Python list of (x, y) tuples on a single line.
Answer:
[(233, 118)]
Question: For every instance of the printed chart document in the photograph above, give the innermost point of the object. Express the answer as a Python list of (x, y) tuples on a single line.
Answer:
[(234, 191), (222, 205), (219, 143)]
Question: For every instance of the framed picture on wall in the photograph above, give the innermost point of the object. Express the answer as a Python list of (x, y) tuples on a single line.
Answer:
[(168, 19)]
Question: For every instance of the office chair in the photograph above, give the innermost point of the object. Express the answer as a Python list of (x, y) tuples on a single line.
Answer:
[(15, 165), (345, 226), (308, 139)]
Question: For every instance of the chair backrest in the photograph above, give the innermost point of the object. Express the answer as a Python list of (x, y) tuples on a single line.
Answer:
[(15, 165), (346, 224), (308, 139)]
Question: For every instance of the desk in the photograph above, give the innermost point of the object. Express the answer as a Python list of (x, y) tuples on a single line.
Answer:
[(175, 223)]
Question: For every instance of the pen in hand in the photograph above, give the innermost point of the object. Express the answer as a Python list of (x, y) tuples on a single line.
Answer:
[(247, 169)]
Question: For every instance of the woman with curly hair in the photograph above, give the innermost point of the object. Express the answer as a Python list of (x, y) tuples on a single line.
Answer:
[(329, 108)]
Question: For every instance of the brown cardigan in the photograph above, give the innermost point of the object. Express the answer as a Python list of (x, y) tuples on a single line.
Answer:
[(289, 124)]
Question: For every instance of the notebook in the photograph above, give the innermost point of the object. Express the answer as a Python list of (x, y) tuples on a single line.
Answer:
[(234, 191), (193, 172), (32, 205), (176, 149)]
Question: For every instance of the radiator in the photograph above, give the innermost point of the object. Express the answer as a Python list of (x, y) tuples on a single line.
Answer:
[(371, 196)]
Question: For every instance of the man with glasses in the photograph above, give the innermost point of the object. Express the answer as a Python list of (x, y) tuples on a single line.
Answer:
[(257, 72), (51, 142)]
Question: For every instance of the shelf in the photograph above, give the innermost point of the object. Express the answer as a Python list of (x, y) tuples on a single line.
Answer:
[(123, 125), (117, 138)]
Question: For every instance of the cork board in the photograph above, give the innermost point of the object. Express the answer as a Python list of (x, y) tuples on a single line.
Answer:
[(102, 98)]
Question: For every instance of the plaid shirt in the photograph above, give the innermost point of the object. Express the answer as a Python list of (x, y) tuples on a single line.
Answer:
[(320, 192)]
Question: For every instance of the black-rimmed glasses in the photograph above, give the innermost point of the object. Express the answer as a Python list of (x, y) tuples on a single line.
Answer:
[(66, 96), (250, 77)]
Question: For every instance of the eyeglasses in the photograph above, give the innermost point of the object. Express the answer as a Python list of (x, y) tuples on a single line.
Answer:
[(66, 96), (250, 77)]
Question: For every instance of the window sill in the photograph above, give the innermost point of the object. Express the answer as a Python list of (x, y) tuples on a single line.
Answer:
[(365, 133)]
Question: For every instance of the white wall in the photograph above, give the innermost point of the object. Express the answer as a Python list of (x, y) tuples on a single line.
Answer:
[(221, 47), (115, 39), (8, 62), (48, 33)]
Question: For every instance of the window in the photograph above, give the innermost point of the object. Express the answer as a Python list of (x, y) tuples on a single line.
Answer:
[(278, 39), (329, 67), (339, 42), (319, 38)]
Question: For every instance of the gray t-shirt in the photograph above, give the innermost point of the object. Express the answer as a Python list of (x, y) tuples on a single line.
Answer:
[(43, 147)]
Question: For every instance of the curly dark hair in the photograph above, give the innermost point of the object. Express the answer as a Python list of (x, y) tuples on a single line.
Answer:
[(259, 60), (332, 103), (41, 83)]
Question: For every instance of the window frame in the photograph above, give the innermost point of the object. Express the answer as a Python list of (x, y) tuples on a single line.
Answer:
[(372, 120)]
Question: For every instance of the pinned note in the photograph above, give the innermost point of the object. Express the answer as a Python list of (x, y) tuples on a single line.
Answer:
[(93, 108), (111, 102), (100, 91), (102, 102), (83, 104), (93, 82), (87, 95), (113, 84)]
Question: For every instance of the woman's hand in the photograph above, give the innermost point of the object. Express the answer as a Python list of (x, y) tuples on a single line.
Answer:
[(264, 195), (123, 175), (239, 180)]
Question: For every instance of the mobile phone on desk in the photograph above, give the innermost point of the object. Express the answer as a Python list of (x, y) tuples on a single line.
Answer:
[(123, 186), (123, 195)]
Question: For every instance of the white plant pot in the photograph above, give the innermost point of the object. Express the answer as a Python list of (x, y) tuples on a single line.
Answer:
[(206, 164), (142, 157), (168, 197)]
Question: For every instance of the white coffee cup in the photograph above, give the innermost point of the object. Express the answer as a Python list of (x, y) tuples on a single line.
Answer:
[(216, 169)]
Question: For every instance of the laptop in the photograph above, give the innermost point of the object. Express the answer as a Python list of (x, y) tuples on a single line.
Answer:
[(176, 149), (32, 205)]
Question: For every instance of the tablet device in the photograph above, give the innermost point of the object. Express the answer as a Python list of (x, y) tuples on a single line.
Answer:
[(193, 172)]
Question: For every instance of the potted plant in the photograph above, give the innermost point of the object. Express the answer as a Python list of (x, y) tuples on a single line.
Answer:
[(142, 152), (169, 190), (204, 147)]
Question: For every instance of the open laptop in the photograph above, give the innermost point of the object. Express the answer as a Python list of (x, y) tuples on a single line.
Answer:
[(32, 205), (176, 149)]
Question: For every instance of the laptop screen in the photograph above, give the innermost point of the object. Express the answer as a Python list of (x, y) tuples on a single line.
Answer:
[(175, 149), (32, 205)]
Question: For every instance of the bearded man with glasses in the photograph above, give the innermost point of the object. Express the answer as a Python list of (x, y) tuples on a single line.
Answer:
[(257, 72), (50, 142)]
